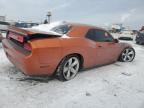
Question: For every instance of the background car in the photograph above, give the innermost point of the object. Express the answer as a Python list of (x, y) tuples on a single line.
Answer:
[(25, 24), (126, 35), (4, 26), (1, 37), (65, 51), (140, 38)]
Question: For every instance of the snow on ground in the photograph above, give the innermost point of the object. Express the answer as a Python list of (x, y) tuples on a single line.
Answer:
[(119, 85)]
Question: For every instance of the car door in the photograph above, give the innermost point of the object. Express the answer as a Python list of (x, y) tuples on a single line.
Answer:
[(106, 47), (106, 50)]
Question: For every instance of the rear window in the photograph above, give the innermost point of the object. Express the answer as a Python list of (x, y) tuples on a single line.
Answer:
[(61, 29)]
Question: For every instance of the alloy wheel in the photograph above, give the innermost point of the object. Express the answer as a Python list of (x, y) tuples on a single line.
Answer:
[(128, 55), (71, 68)]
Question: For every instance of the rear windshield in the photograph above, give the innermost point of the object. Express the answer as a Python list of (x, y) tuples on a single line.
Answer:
[(61, 29)]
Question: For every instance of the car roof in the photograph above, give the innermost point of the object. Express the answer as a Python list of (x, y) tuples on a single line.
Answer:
[(80, 30), (84, 25)]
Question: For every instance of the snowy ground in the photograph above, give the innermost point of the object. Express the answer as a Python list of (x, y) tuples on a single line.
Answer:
[(119, 85)]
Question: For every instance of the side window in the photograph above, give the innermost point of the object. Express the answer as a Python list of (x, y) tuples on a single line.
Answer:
[(91, 34), (103, 36), (99, 35)]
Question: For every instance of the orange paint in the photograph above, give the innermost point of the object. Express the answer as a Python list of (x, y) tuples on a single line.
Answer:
[(46, 53)]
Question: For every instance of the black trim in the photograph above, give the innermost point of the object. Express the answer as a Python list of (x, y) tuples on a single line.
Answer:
[(39, 36), (18, 47)]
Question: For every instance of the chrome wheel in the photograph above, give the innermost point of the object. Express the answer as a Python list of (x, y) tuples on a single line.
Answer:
[(128, 55), (71, 68)]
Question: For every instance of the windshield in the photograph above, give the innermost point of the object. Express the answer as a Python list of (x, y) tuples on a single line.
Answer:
[(61, 29)]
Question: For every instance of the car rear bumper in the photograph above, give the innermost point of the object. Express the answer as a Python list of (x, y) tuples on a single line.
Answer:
[(27, 63)]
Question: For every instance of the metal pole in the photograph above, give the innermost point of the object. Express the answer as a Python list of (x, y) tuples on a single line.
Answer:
[(49, 17)]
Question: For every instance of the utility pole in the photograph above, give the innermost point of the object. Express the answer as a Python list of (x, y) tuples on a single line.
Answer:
[(49, 14)]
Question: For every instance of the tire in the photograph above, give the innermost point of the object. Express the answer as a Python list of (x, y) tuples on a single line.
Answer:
[(68, 68), (127, 55)]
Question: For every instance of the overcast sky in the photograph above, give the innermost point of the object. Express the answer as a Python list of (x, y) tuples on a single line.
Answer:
[(97, 12)]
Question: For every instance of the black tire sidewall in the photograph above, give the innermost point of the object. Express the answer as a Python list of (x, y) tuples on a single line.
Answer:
[(59, 71)]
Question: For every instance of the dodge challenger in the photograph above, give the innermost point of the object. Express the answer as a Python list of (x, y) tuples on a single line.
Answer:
[(64, 50)]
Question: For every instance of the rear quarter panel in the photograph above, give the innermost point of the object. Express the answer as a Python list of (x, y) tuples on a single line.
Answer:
[(49, 53)]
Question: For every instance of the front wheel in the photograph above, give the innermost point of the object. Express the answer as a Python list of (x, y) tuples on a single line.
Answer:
[(68, 68), (127, 55)]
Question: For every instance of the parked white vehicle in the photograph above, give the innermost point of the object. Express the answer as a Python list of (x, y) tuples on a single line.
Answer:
[(4, 25), (126, 34), (1, 37)]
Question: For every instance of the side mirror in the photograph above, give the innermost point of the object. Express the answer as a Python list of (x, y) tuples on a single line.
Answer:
[(116, 41)]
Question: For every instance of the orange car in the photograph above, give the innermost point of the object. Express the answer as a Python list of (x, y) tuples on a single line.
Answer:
[(64, 51)]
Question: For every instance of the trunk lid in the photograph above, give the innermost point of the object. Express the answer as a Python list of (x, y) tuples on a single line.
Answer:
[(23, 35)]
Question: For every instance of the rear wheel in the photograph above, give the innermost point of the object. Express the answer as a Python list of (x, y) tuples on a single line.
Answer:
[(68, 68), (127, 55)]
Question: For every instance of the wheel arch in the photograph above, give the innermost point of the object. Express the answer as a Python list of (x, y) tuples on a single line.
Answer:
[(119, 57), (81, 58)]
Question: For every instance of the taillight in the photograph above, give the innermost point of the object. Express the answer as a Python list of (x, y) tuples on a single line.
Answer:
[(27, 46), (15, 36)]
